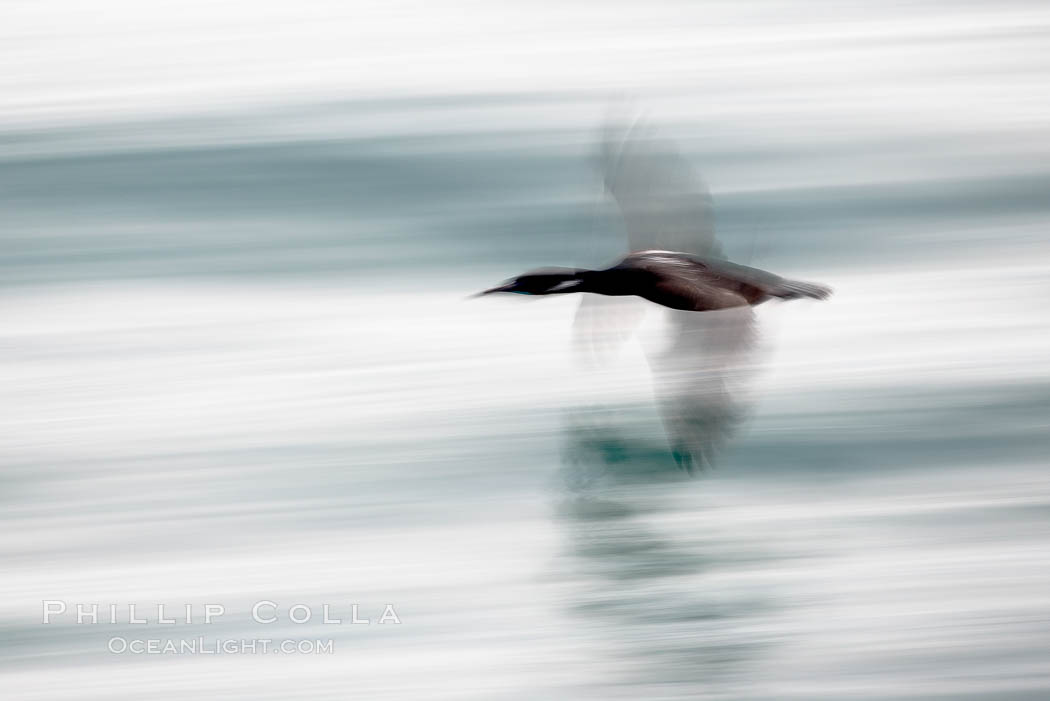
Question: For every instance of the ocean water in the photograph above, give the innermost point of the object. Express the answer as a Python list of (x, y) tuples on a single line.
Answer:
[(240, 365)]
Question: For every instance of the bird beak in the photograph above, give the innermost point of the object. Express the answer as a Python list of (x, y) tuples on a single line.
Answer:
[(509, 287)]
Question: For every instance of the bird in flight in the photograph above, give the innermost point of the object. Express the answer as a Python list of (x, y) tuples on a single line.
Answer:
[(672, 279), (675, 262)]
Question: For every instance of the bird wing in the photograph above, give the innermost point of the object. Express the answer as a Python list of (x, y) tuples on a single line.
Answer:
[(701, 380), (603, 325), (665, 206), (664, 203)]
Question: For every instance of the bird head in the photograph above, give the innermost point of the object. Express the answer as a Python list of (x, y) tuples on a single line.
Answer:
[(540, 282)]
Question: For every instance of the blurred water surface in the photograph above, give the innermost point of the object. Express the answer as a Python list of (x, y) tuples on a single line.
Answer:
[(239, 365)]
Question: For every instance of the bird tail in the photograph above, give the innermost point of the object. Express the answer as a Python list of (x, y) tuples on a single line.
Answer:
[(794, 289)]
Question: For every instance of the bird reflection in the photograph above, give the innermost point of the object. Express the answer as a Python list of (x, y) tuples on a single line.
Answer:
[(649, 588)]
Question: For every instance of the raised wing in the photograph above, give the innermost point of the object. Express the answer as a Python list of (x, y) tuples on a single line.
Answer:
[(664, 203)]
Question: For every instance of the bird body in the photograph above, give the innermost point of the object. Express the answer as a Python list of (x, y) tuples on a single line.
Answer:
[(671, 279)]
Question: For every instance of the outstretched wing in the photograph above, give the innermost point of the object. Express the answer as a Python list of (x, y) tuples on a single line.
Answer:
[(701, 381), (664, 203), (701, 376)]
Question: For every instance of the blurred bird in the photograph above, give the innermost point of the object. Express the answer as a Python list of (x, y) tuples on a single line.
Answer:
[(677, 263), (669, 278)]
